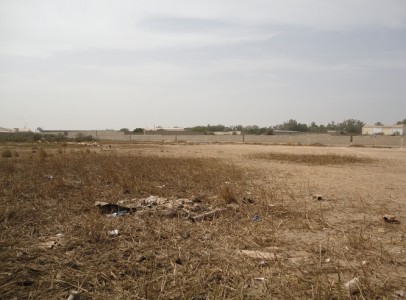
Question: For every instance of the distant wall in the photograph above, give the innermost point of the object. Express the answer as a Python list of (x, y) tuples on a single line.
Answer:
[(379, 140), (296, 139)]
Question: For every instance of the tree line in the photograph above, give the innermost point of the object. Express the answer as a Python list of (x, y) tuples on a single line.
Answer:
[(349, 126)]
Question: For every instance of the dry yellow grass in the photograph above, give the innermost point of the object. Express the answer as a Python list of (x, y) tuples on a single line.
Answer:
[(312, 159), (161, 257)]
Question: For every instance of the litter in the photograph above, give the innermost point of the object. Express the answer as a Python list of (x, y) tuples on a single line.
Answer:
[(119, 214), (400, 294), (192, 209), (113, 232), (207, 215), (390, 219), (318, 197), (352, 286), (52, 242), (49, 176), (110, 208), (256, 218), (259, 278), (74, 295)]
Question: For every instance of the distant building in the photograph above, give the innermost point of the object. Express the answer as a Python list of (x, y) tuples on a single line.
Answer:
[(234, 132), (21, 129), (2, 129), (384, 129)]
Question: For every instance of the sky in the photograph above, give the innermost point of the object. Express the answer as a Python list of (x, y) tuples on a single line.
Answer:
[(96, 64)]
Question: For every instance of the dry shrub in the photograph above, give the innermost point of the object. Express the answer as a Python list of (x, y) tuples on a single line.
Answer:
[(42, 153), (312, 159), (227, 195), (6, 153)]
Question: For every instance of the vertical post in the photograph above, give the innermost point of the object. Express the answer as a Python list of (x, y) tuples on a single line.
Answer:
[(375, 140), (401, 141), (243, 137)]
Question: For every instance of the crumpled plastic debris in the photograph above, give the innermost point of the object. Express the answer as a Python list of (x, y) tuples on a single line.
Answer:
[(113, 232), (256, 218), (192, 209)]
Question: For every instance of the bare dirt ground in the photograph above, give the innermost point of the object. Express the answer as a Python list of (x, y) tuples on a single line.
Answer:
[(273, 241)]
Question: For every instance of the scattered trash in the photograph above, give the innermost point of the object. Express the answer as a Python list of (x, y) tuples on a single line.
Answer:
[(110, 208), (364, 263), (262, 263), (258, 254), (49, 176), (113, 232), (259, 278), (256, 218), (400, 294), (160, 186), (390, 219), (192, 209), (327, 260), (51, 242), (352, 286), (207, 215), (318, 197), (74, 295), (119, 214)]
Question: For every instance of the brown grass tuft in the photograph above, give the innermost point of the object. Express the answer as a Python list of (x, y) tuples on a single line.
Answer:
[(312, 159)]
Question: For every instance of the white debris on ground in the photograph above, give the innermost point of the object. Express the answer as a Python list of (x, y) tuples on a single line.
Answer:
[(191, 208)]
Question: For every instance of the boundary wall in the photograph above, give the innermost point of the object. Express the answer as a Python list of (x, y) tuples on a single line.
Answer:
[(287, 139), (299, 139)]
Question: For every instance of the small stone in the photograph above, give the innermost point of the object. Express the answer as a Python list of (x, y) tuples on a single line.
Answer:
[(390, 219), (400, 294), (74, 295), (352, 286)]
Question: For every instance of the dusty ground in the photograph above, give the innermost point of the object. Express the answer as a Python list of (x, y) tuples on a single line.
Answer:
[(357, 196), (314, 247)]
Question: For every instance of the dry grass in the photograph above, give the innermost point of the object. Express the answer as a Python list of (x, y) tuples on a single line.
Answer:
[(158, 257), (312, 159)]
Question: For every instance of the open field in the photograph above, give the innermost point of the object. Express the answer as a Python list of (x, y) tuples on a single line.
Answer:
[(269, 238)]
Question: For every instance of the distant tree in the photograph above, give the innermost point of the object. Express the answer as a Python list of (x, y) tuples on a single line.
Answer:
[(351, 126), (378, 124), (331, 126), (401, 122), (292, 125), (322, 128), (138, 130), (125, 130)]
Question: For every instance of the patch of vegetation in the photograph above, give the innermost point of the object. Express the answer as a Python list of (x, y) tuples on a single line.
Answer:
[(312, 159), (54, 240), (6, 153)]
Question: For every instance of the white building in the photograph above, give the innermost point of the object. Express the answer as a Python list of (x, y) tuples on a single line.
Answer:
[(384, 129)]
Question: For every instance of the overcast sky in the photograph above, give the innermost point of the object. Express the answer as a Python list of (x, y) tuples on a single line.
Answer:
[(113, 64)]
